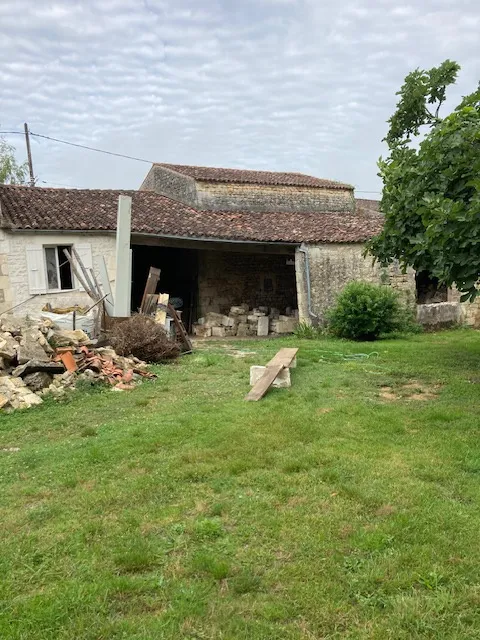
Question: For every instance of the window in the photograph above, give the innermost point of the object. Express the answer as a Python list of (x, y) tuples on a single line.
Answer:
[(59, 271), (48, 269)]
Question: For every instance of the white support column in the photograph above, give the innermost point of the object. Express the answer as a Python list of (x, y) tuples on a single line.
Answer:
[(123, 275), (129, 293)]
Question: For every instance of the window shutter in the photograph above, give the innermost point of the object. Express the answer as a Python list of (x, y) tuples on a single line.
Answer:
[(85, 253), (37, 277)]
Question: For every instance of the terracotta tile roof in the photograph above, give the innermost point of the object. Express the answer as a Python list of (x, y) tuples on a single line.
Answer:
[(96, 210), (216, 174), (365, 207)]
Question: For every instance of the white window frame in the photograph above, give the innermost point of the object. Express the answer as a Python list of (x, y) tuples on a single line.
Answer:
[(55, 246)]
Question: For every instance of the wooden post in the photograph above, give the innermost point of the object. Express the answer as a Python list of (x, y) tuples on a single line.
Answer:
[(29, 155), (123, 272)]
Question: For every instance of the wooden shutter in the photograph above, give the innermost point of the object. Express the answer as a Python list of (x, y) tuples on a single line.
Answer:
[(37, 276), (85, 253)]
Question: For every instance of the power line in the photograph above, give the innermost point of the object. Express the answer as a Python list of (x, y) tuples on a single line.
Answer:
[(109, 153), (60, 184), (82, 146)]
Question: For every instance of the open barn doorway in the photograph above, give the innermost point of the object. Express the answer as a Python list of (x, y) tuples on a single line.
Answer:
[(203, 278), (178, 278)]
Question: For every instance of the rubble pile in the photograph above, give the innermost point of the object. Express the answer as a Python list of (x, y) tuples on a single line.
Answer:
[(242, 321), (38, 359)]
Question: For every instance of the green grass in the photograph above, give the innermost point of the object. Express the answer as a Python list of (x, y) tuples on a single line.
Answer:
[(345, 507)]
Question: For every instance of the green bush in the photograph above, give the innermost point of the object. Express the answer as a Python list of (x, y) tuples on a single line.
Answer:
[(364, 311)]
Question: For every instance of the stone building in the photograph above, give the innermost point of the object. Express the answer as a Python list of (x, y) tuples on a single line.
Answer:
[(221, 237)]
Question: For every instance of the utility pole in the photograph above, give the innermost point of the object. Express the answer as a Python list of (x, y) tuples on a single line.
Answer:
[(29, 155)]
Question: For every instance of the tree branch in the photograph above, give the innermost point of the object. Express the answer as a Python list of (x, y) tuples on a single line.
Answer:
[(433, 117), (438, 108)]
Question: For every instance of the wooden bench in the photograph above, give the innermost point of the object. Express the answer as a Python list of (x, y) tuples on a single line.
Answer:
[(282, 360)]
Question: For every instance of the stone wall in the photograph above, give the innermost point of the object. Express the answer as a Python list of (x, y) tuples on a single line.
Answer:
[(273, 198), (229, 279), (14, 287), (440, 315), (332, 266), (471, 310), (171, 184), (218, 196)]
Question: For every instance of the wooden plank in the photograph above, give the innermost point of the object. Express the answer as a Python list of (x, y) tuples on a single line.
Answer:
[(76, 272), (180, 328), (150, 285), (98, 289), (284, 357), (151, 303), (265, 382), (161, 313), (102, 269), (86, 276), (282, 360)]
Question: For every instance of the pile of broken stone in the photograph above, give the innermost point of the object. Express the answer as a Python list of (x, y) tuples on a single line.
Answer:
[(242, 321), (32, 363)]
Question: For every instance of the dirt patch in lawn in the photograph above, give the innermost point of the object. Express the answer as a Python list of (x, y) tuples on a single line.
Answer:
[(413, 390)]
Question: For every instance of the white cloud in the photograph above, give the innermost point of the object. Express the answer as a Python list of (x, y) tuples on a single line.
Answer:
[(276, 84)]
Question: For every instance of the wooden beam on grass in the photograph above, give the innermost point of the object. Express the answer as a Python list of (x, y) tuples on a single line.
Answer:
[(282, 360)]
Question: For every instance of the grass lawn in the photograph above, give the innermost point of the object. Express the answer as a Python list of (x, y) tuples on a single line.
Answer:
[(345, 507)]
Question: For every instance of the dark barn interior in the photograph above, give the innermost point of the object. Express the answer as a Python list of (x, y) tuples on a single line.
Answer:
[(178, 277), (207, 279)]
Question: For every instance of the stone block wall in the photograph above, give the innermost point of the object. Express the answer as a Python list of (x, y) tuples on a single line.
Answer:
[(218, 196), (171, 184), (471, 310), (332, 266), (14, 287), (272, 198), (227, 279)]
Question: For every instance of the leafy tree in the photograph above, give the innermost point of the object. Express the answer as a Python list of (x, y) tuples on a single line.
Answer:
[(431, 189), (10, 171)]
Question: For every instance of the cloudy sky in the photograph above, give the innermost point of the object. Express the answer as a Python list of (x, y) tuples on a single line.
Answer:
[(299, 85)]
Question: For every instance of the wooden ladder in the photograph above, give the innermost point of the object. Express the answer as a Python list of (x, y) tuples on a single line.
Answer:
[(179, 326)]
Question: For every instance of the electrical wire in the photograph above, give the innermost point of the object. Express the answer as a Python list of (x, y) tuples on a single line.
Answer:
[(109, 153), (60, 184), (82, 146)]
